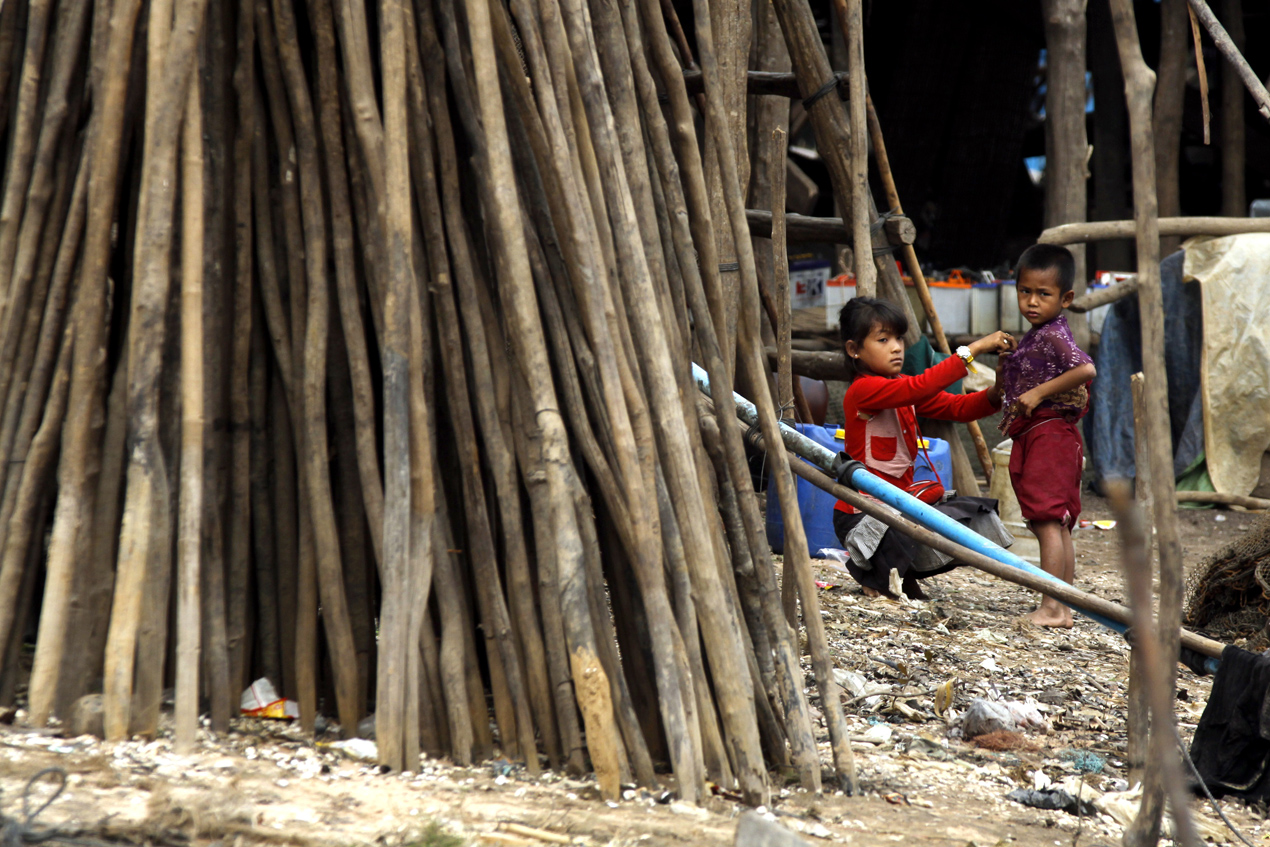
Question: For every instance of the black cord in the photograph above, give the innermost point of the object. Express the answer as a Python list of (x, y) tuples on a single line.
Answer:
[(821, 92), (1186, 754), (15, 833)]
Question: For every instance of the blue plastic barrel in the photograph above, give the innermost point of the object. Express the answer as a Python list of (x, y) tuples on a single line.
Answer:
[(815, 506), (940, 457)]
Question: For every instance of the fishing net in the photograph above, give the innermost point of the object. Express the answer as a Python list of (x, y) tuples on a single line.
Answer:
[(1228, 594)]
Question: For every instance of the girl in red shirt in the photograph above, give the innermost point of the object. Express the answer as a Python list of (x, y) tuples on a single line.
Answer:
[(880, 411)]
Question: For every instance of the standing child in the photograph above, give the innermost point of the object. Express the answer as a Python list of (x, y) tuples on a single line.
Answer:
[(1045, 386), (880, 421)]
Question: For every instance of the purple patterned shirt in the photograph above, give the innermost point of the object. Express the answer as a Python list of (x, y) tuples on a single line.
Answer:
[(1046, 352)]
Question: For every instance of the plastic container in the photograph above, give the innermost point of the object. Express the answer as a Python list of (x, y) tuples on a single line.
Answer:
[(952, 304), (1012, 319), (940, 464), (1097, 317), (815, 506), (807, 278), (985, 314), (838, 291)]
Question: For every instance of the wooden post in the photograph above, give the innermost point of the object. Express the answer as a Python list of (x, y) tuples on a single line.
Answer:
[(861, 240), (1139, 82), (1166, 114), (1066, 143), (1234, 202)]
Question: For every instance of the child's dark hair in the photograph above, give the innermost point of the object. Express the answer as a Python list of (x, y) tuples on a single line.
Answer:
[(1042, 257), (860, 315)]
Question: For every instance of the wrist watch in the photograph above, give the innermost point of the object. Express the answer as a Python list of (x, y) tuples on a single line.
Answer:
[(963, 352)]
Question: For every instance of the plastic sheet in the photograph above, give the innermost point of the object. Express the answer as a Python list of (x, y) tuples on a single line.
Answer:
[(1234, 278)]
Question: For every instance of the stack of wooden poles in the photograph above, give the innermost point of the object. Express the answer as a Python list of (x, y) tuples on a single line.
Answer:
[(349, 346)]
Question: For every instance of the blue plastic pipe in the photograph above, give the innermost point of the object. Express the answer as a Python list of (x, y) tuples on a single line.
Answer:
[(903, 502)]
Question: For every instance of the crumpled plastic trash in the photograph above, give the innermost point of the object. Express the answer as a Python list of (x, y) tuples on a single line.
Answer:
[(261, 700), (1053, 799), (358, 749), (985, 716)]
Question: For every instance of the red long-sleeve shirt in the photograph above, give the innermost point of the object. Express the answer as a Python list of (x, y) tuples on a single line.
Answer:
[(881, 417)]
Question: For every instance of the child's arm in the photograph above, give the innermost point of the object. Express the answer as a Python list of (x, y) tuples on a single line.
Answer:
[(1066, 381), (880, 393), (962, 408)]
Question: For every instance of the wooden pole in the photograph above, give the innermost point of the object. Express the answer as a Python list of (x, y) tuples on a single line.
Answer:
[(1234, 202), (1138, 86), (919, 279), (190, 499), (1138, 711), (393, 660), (146, 473), (1166, 115)]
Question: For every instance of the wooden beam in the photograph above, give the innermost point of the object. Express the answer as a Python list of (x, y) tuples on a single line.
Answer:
[(1106, 230), (1111, 294), (899, 230)]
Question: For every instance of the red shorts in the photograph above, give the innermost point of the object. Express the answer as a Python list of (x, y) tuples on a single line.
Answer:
[(1045, 468)]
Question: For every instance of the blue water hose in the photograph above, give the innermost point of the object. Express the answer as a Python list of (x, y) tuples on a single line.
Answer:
[(908, 505)]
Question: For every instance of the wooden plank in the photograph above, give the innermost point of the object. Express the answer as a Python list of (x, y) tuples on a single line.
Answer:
[(1106, 230)]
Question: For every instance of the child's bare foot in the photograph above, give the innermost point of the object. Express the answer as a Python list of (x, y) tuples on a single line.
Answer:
[(870, 592), (1059, 618)]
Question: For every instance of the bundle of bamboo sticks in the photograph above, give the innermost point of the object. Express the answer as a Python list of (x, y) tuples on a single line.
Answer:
[(350, 347)]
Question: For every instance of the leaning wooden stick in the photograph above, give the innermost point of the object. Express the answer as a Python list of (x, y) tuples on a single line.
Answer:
[(919, 278), (1228, 49), (1158, 667), (1139, 82)]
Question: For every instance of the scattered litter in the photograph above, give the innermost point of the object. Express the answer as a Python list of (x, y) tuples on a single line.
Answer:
[(827, 586), (1085, 761), (833, 556), (985, 716), (877, 734), (944, 697), (857, 686), (261, 700), (358, 749), (1053, 799), (1219, 518), (1103, 525)]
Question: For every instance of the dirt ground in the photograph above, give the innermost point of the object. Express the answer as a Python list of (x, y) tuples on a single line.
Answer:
[(921, 784)]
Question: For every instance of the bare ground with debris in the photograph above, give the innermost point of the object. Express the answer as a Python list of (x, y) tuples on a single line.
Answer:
[(265, 783)]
